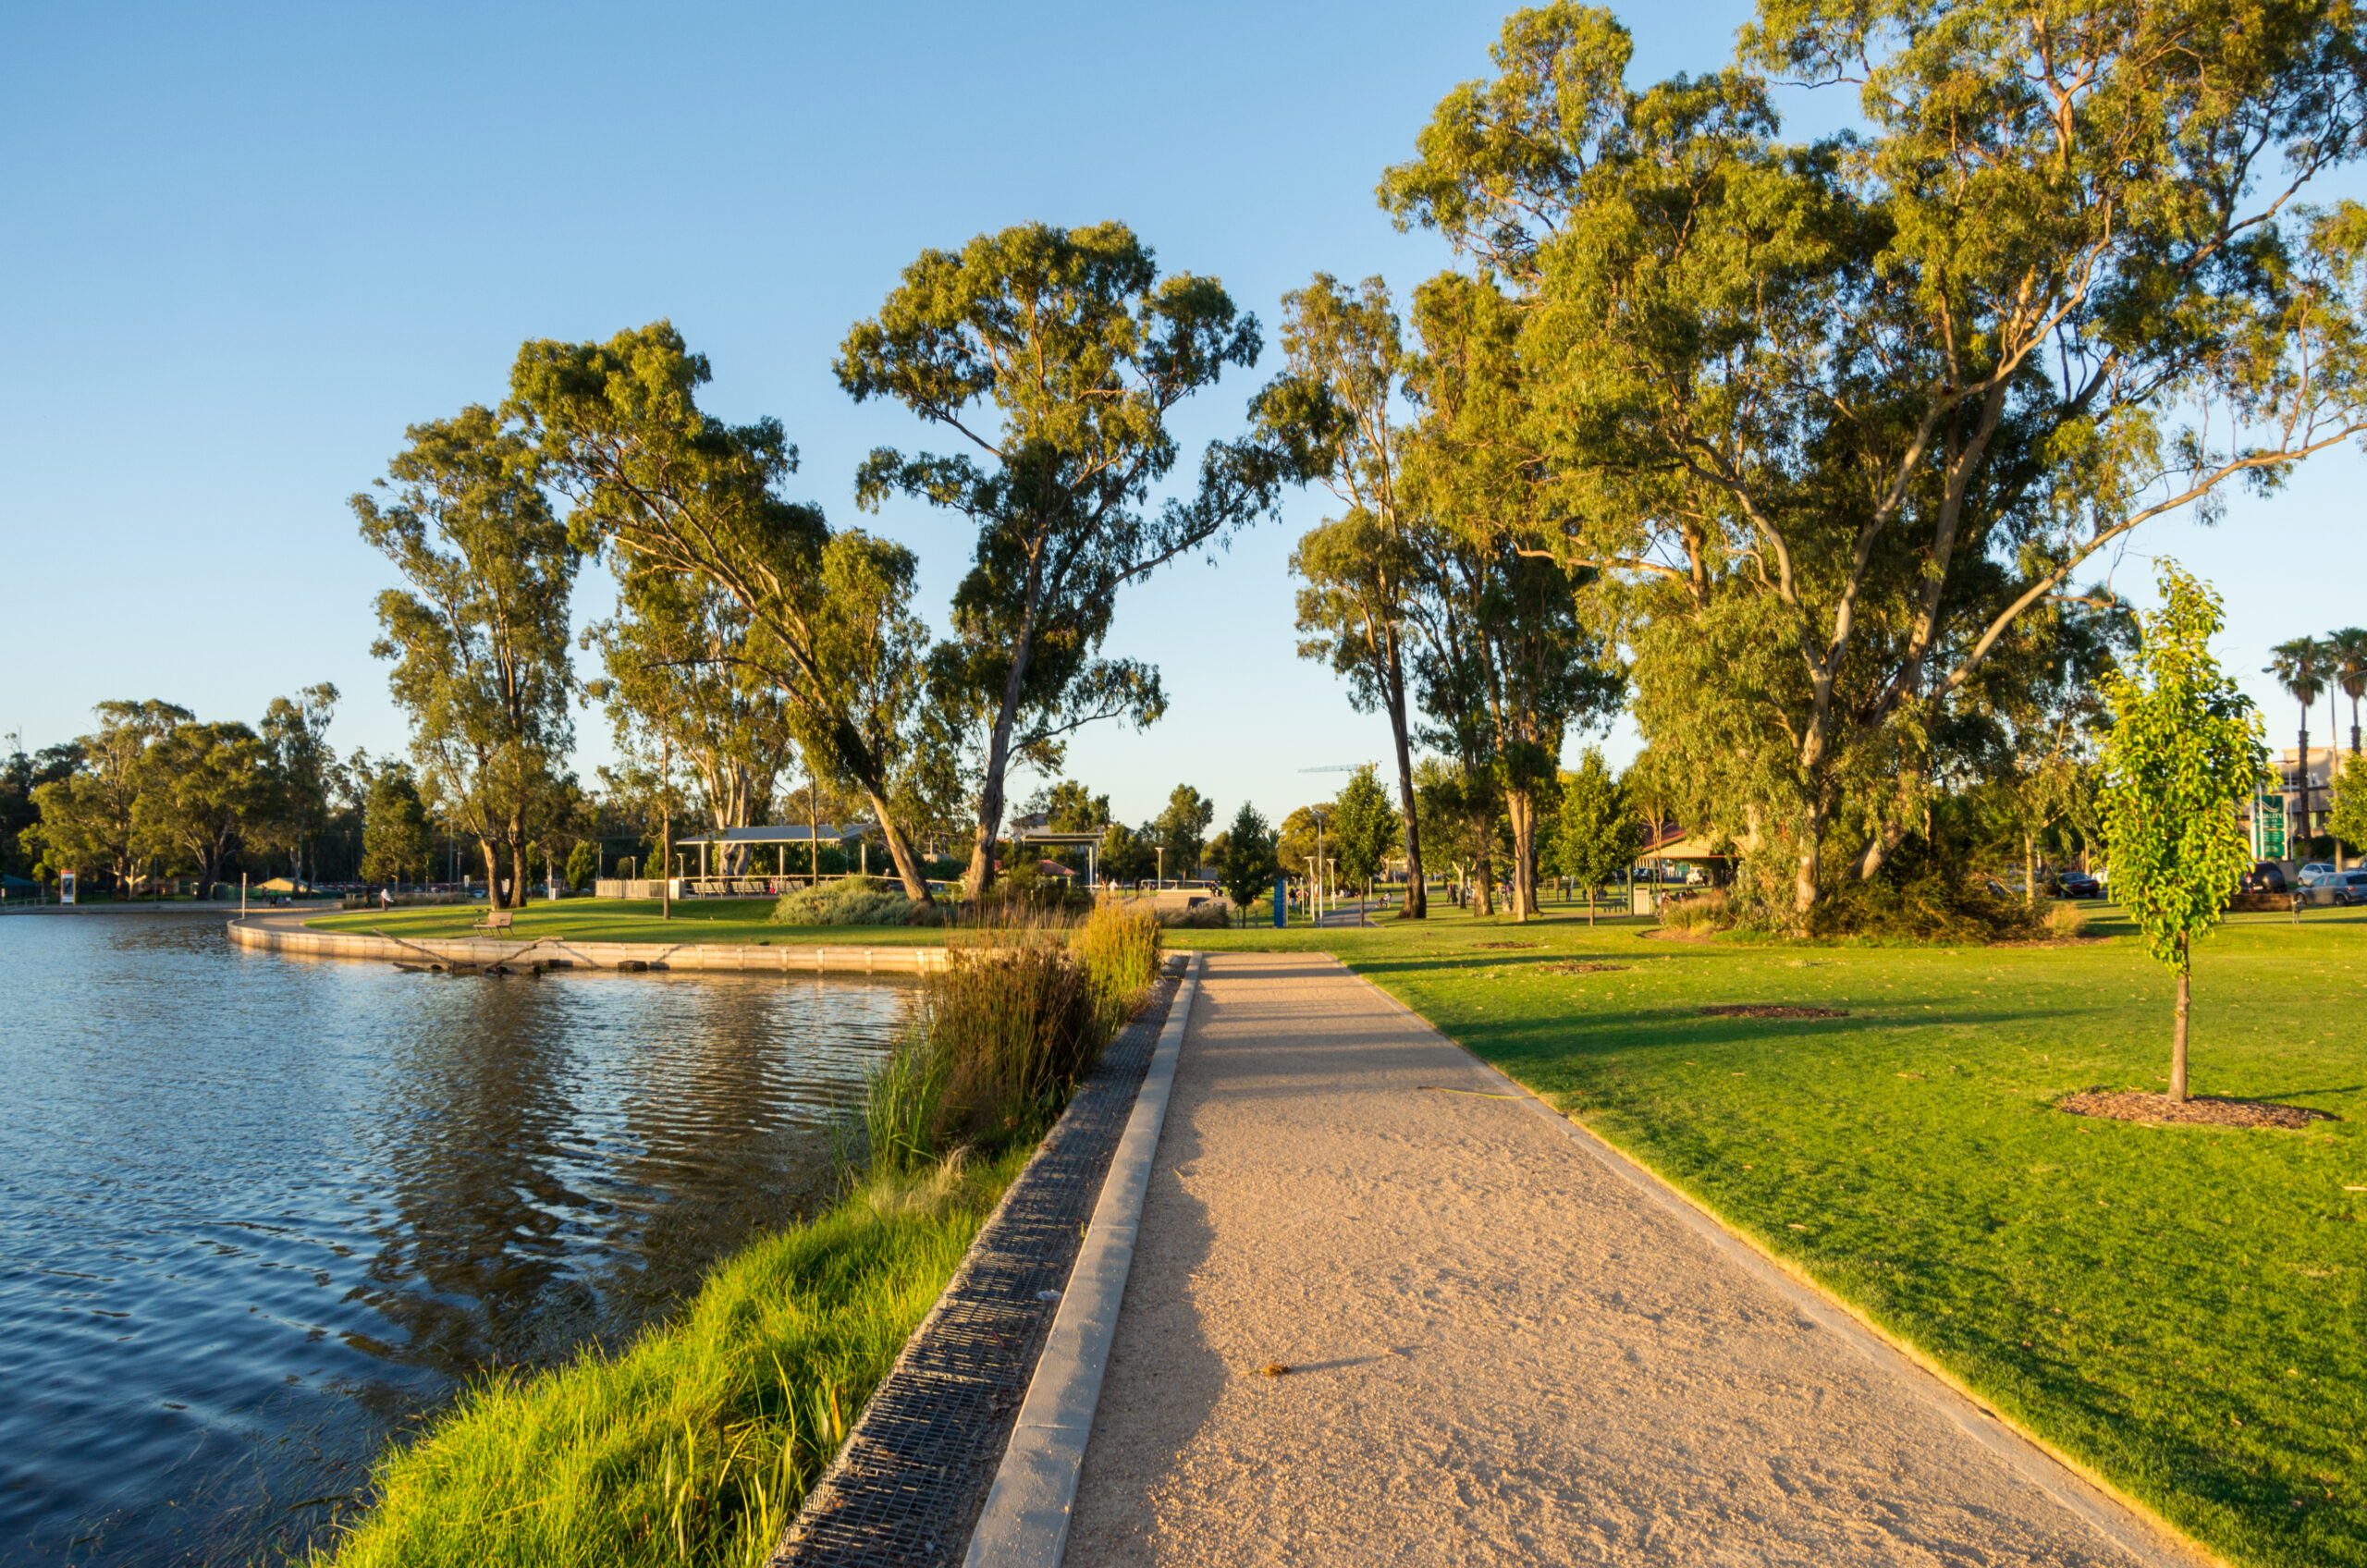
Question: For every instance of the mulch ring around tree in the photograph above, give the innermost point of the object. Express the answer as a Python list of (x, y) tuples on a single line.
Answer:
[(2210, 1109), (1772, 1009), (1576, 967)]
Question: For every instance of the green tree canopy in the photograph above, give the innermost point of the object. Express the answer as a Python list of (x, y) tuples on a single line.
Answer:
[(396, 843), (479, 641), (1364, 826), (1595, 829), (1248, 857), (829, 624), (1182, 828), (2184, 757), (1832, 416), (203, 791), (1057, 356), (1335, 410)]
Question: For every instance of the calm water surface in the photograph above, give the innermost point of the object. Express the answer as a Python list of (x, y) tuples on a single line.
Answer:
[(259, 1212)]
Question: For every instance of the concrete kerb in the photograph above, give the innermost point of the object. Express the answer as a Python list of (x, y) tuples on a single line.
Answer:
[(1025, 1522), (280, 932), (2118, 1519)]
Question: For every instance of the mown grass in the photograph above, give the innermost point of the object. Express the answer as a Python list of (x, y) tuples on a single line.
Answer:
[(697, 1443), (2183, 1310)]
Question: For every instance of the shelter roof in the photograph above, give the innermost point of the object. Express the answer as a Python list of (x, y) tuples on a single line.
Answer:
[(788, 833)]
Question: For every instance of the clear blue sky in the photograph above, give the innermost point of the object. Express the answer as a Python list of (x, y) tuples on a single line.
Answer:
[(246, 245)]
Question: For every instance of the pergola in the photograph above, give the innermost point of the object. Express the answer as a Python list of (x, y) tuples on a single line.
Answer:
[(780, 837), (1044, 838)]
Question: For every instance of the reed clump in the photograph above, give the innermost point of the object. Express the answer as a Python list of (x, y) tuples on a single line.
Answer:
[(1005, 1034)]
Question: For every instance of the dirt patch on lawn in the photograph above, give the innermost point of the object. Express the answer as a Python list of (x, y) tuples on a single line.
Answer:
[(2208, 1110), (1576, 968), (1770, 1010), (1507, 944)]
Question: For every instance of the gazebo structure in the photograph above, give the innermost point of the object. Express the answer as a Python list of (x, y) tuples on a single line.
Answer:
[(1044, 838), (717, 849)]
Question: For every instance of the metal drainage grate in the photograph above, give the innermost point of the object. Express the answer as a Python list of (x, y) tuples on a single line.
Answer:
[(906, 1490)]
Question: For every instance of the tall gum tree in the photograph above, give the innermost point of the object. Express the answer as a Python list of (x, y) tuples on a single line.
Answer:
[(479, 643), (829, 624), (1057, 356), (1508, 666), (1335, 410), (675, 657), (1837, 414)]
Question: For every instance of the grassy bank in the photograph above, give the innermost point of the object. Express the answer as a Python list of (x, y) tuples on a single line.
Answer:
[(698, 1442), (2182, 1309)]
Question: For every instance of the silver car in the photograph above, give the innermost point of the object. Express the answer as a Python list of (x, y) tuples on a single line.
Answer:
[(2348, 886)]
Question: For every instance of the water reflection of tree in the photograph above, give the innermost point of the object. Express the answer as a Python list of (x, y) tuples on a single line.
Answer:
[(474, 1264), (727, 1114)]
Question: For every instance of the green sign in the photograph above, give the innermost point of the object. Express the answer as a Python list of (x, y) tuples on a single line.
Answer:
[(2268, 826)]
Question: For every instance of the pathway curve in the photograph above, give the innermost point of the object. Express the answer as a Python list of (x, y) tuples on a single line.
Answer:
[(1504, 1348)]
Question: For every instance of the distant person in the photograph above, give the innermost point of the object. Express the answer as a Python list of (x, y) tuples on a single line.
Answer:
[(385, 897)]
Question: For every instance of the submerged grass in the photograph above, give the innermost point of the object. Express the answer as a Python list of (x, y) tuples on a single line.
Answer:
[(697, 1443)]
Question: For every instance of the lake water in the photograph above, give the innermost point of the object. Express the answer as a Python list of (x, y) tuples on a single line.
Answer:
[(259, 1212)]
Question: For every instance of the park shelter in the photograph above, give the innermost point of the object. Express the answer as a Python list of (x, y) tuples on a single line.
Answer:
[(720, 848)]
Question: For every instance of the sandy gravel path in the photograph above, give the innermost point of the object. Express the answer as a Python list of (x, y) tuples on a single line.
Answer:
[(1503, 1351)]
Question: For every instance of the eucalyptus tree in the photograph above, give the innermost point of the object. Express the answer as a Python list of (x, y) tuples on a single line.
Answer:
[(1056, 356), (828, 626), (1508, 666), (1336, 410), (2303, 668), (1834, 416), (206, 791), (676, 673), (479, 641), (395, 844), (89, 819), (1182, 828), (295, 729)]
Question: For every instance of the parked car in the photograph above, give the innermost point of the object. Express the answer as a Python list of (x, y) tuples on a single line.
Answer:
[(2315, 871), (2265, 877), (2079, 885), (2348, 886)]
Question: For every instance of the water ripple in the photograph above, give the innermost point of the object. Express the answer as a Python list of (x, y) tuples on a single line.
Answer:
[(259, 1212)]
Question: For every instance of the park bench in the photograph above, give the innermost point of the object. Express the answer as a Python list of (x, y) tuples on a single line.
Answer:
[(494, 920)]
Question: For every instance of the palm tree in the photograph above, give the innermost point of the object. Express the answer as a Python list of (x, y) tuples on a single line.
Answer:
[(2301, 667), (2349, 647)]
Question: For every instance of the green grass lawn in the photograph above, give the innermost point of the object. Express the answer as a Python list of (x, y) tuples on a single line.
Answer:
[(2180, 1308)]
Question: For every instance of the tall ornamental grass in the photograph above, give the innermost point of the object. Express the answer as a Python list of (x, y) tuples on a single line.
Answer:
[(1005, 1034)]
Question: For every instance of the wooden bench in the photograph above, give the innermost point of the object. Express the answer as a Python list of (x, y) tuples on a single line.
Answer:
[(494, 920)]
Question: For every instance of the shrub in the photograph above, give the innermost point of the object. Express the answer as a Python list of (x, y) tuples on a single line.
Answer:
[(854, 900), (1707, 911), (1923, 895), (1212, 914), (2066, 920)]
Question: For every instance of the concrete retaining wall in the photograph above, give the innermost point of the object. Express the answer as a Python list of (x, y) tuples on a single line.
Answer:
[(280, 934)]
